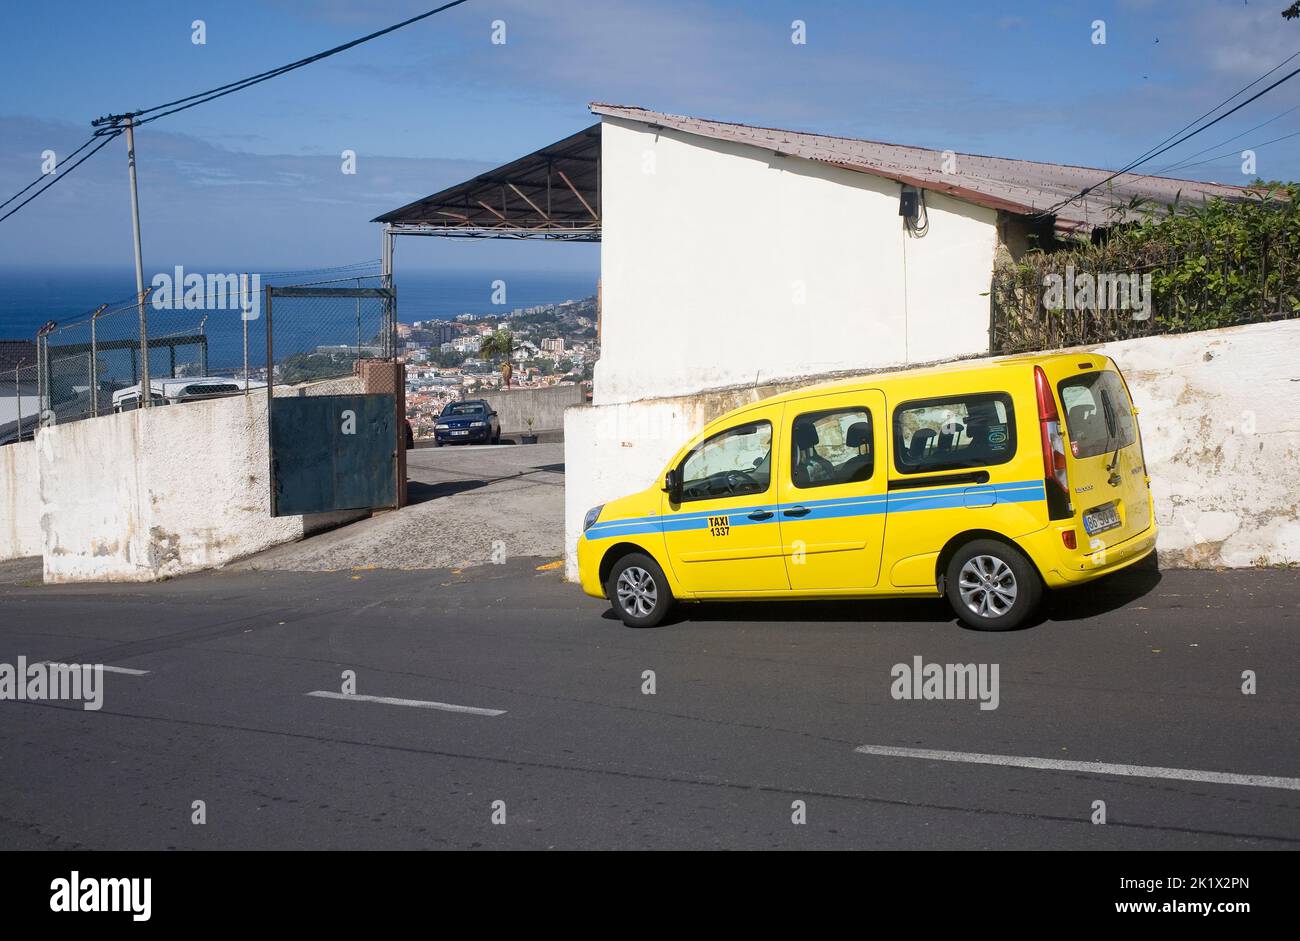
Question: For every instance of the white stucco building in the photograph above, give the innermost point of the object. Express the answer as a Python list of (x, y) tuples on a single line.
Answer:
[(736, 259)]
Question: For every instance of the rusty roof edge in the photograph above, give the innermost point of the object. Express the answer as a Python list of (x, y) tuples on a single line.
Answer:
[(683, 123)]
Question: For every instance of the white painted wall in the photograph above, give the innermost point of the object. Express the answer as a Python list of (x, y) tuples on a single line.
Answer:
[(723, 264), (1220, 418), (160, 492), (20, 501)]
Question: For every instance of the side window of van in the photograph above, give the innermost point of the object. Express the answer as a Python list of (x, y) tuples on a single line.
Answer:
[(951, 433), (733, 462), (832, 447)]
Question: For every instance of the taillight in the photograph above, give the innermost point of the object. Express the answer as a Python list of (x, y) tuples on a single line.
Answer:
[(1049, 422)]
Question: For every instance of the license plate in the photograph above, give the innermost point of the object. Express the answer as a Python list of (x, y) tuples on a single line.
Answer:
[(1101, 519), (460, 432)]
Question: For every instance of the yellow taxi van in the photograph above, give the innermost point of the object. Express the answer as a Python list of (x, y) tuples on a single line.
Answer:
[(985, 482)]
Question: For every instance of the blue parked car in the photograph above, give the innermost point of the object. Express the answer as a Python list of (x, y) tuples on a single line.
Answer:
[(467, 421)]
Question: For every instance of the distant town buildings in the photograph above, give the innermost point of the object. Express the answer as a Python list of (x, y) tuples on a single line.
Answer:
[(554, 344)]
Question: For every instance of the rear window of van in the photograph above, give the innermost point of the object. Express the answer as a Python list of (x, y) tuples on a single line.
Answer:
[(1098, 416), (950, 433)]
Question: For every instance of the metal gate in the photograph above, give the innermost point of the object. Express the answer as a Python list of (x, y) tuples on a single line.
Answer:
[(332, 446)]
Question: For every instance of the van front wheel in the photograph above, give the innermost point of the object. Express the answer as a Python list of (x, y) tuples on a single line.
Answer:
[(638, 591), (991, 586)]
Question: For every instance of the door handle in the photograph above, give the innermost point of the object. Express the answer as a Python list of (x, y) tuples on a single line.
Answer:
[(797, 511), (761, 515)]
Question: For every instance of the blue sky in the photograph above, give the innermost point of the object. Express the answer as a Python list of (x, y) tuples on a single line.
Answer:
[(253, 180)]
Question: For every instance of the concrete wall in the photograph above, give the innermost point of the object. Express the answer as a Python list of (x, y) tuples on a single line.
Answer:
[(155, 493), (724, 264), (545, 406), (1220, 417), (20, 501)]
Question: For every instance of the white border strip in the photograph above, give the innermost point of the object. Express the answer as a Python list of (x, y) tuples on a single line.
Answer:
[(417, 703), (1091, 767)]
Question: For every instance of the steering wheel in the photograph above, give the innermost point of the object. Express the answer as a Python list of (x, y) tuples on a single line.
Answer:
[(737, 479)]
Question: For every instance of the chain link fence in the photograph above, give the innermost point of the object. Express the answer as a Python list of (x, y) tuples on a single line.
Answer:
[(197, 327), (319, 333)]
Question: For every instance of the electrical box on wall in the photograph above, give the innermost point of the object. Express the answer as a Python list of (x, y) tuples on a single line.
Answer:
[(909, 203)]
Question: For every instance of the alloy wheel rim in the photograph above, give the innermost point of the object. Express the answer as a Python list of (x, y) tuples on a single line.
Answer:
[(637, 592), (987, 586)]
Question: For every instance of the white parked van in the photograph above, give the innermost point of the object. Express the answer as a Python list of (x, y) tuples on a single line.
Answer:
[(172, 391)]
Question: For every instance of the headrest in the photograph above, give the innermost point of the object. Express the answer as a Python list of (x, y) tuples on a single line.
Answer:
[(859, 433), (920, 438), (805, 435)]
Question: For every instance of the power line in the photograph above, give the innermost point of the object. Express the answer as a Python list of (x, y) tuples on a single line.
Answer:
[(1233, 153), (190, 101), (59, 176), (1241, 91), (109, 127), (1185, 161), (1152, 154), (46, 175)]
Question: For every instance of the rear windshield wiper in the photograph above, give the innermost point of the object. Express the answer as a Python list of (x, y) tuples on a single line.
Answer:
[(1112, 431)]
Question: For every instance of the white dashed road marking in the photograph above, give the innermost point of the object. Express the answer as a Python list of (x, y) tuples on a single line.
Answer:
[(1091, 767), (417, 703), (107, 669)]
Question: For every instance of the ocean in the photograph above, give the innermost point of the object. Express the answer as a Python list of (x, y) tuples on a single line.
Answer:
[(30, 298)]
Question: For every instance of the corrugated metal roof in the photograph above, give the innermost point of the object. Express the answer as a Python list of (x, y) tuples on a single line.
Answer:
[(554, 190), (1025, 187)]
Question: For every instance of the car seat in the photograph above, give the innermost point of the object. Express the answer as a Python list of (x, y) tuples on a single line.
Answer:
[(861, 465), (808, 466)]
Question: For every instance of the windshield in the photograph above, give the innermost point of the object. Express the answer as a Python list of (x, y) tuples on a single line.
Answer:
[(464, 408), (1098, 416)]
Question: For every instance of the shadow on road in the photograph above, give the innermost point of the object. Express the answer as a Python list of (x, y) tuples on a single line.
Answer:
[(417, 492), (1071, 604)]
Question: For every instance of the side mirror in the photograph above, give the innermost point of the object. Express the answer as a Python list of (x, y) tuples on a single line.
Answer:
[(673, 485)]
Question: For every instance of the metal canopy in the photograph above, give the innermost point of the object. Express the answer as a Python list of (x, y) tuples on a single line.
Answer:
[(552, 193)]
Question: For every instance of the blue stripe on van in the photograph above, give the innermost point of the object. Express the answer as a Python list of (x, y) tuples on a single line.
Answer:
[(938, 498)]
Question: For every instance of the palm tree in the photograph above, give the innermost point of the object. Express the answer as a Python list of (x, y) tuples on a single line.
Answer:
[(500, 345)]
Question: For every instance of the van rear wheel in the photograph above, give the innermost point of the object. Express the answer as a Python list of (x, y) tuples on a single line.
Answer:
[(638, 591), (992, 586)]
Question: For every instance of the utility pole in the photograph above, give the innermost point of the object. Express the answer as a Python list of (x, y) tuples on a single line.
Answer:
[(146, 388)]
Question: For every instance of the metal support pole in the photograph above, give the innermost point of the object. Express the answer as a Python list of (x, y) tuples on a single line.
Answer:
[(40, 376), (246, 304), (94, 366), (386, 281), (146, 388), (18, 394)]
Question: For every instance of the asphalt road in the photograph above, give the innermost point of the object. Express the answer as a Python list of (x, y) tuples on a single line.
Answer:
[(755, 707)]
